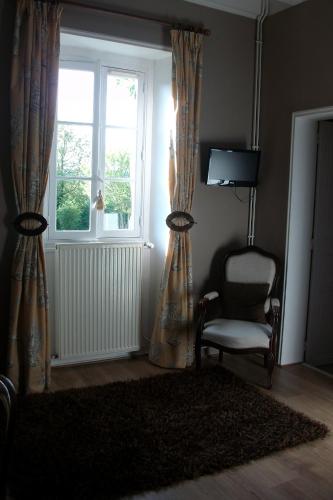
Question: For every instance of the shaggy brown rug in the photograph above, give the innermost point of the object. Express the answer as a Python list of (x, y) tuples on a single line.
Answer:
[(129, 437)]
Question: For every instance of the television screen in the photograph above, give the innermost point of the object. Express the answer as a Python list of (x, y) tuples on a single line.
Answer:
[(233, 167)]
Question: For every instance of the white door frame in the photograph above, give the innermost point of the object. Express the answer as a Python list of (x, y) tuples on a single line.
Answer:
[(299, 233)]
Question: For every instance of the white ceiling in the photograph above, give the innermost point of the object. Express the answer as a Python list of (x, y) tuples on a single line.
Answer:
[(247, 8)]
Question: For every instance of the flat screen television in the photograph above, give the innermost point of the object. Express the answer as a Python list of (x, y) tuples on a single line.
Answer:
[(233, 167)]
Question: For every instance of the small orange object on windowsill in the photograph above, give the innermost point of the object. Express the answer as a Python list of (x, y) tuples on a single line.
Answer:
[(99, 205)]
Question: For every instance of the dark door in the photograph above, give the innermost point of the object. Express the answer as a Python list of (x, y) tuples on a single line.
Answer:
[(319, 343)]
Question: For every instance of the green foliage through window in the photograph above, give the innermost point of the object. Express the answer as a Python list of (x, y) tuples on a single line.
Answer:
[(73, 205), (117, 193), (73, 198)]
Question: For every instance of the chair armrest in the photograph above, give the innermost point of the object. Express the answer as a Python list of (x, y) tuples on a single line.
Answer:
[(274, 322), (211, 296), (205, 301), (202, 309), (275, 314), (275, 305), (208, 297)]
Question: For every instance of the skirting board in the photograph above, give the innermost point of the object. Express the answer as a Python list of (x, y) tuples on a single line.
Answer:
[(323, 372), (94, 359)]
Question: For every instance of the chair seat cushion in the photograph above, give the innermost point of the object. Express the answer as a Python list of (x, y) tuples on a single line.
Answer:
[(237, 334)]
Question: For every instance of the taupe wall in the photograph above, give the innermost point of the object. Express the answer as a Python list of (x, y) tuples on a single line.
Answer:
[(297, 75), (226, 114)]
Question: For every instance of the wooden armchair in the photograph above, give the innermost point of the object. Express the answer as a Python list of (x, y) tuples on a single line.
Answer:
[(250, 314)]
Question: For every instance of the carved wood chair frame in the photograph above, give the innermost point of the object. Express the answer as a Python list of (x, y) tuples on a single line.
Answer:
[(272, 317)]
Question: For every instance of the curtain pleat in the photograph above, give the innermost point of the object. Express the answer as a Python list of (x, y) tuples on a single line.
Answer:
[(33, 95), (172, 339)]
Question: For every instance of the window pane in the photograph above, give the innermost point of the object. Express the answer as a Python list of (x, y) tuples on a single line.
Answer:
[(121, 102), (120, 152), (118, 202), (73, 205), (75, 95), (74, 150)]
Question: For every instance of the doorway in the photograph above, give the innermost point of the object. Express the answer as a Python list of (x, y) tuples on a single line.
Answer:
[(319, 338), (302, 183)]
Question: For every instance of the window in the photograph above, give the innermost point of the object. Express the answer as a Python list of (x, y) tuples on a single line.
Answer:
[(120, 150), (98, 147)]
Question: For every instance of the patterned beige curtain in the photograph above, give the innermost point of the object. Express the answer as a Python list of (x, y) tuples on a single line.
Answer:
[(172, 338), (33, 103)]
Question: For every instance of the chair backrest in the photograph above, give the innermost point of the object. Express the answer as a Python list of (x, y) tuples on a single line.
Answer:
[(7, 408), (251, 265)]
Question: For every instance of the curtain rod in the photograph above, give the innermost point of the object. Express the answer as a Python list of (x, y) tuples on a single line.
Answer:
[(165, 22)]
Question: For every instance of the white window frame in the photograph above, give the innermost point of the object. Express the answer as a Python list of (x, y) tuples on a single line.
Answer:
[(138, 185), (74, 235), (100, 69)]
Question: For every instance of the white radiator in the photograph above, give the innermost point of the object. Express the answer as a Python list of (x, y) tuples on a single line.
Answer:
[(98, 301)]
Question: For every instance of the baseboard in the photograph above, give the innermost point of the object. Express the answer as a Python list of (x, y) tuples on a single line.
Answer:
[(94, 359), (314, 368)]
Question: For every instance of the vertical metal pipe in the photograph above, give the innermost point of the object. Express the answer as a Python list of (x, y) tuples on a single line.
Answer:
[(256, 113)]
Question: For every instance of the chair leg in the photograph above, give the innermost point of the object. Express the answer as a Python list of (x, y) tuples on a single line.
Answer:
[(269, 363), (198, 355), (220, 355)]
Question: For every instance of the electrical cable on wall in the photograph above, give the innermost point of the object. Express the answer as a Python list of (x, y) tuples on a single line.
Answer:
[(236, 195)]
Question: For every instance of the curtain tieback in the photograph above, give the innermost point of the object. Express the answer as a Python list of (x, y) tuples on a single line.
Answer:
[(176, 227), (30, 216)]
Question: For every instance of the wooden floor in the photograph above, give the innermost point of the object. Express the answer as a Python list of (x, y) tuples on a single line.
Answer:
[(304, 472)]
